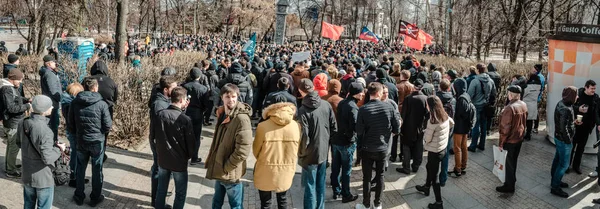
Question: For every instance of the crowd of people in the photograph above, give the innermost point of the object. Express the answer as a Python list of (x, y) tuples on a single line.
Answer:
[(349, 102)]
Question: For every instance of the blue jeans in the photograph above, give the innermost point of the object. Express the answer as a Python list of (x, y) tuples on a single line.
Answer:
[(235, 195), (153, 174), (181, 181), (73, 154), (313, 181), (84, 153), (480, 129), (55, 122), (342, 157), (444, 169), (43, 197), (560, 162)]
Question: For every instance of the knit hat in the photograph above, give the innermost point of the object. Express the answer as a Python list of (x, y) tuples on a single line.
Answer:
[(195, 73), (12, 58), (362, 81), (418, 83), (41, 104), (380, 73), (569, 94), (538, 67), (355, 88), (15, 74), (48, 58), (452, 73), (306, 85), (514, 89), (168, 71), (342, 73)]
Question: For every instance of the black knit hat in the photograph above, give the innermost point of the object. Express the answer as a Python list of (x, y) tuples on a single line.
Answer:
[(538, 67)]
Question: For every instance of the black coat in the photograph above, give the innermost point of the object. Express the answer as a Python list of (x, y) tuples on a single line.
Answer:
[(175, 140), (159, 103), (318, 124), (346, 119), (462, 120), (14, 105), (89, 118), (564, 128), (270, 82), (346, 81), (51, 85), (213, 82), (415, 114), (200, 95), (106, 86), (242, 81)]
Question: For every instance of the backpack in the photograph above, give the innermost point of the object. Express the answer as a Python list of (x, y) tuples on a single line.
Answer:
[(62, 170), (448, 108), (471, 112)]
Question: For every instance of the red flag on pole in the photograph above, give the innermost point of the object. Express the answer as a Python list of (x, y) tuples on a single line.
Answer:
[(425, 37), (331, 31), (413, 43)]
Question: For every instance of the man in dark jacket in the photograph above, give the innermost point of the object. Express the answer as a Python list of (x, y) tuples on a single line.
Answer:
[(107, 88), (175, 144), (414, 111), (319, 126), (13, 62), (280, 96), (199, 101), (271, 80), (21, 51), (512, 132), (375, 124), (382, 78), (483, 94), (89, 120), (587, 105), (495, 76), (237, 77), (213, 81), (167, 71), (223, 69), (349, 78), (51, 87), (161, 102), (449, 103), (343, 144), (463, 123), (564, 131), (14, 111)]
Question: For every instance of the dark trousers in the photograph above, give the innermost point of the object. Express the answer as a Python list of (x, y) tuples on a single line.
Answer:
[(368, 159), (511, 163), (536, 122), (434, 160), (197, 116), (529, 125), (54, 122), (84, 153), (412, 151), (582, 133), (395, 146), (265, 199), (208, 112)]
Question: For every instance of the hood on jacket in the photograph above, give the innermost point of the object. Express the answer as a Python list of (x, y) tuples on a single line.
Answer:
[(491, 67), (436, 76), (298, 72), (5, 82), (569, 95), (460, 86), (445, 96), (372, 76), (87, 98), (236, 67), (99, 68), (347, 76), (312, 100), (66, 98), (320, 82), (280, 113), (484, 77), (334, 87)]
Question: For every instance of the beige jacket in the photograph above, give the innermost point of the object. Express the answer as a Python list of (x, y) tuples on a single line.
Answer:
[(436, 135)]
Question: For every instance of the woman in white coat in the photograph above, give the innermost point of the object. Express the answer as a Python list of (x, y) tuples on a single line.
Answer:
[(530, 97)]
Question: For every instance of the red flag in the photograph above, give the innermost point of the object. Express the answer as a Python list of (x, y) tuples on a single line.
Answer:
[(425, 37), (330, 31), (413, 43), (408, 29)]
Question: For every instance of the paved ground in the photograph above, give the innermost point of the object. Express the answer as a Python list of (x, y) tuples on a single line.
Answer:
[(127, 184)]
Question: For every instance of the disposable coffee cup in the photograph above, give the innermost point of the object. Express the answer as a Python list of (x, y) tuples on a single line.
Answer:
[(579, 118)]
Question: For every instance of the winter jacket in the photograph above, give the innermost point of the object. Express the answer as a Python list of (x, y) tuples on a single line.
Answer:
[(346, 121), (275, 148), (512, 122), (223, 72), (320, 83), (237, 77), (371, 77), (564, 126), (319, 126), (296, 76), (493, 73), (591, 118), (106, 86), (470, 78), (376, 121), (277, 97), (89, 118), (38, 152), (14, 105), (65, 104), (51, 85), (462, 120), (415, 113), (404, 89), (271, 79), (333, 94), (160, 103), (436, 135), (482, 91), (423, 75), (231, 145), (213, 82), (346, 81), (200, 95), (447, 98), (7, 67), (175, 139), (530, 97)]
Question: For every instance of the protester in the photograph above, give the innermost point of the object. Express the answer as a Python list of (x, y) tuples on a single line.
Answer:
[(232, 143), (436, 135), (495, 76), (271, 80), (175, 145), (587, 106), (404, 89), (107, 88), (14, 111), (538, 72), (213, 81), (414, 111), (333, 91), (280, 96), (449, 105), (346, 80), (376, 121), (564, 131), (39, 155), (13, 62), (483, 93), (90, 120), (51, 87), (237, 77), (275, 148), (385, 98), (512, 123), (67, 98), (465, 119), (198, 102), (320, 82), (318, 124), (530, 97)]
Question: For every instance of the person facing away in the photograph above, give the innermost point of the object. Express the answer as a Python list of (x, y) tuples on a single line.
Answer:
[(175, 145), (319, 126), (14, 111), (564, 131), (282, 95), (51, 87), (39, 153), (89, 120), (275, 146), (482, 91), (231, 145), (68, 97), (463, 125), (530, 97), (512, 131), (415, 113), (198, 103)]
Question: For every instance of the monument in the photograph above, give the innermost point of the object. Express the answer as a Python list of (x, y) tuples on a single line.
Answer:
[(282, 6)]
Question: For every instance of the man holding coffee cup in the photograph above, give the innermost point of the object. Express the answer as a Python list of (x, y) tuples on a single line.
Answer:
[(586, 109)]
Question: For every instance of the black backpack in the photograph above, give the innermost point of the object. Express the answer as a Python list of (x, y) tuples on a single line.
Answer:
[(62, 170)]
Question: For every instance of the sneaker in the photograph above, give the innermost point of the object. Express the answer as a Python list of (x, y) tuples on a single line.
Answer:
[(195, 162), (14, 175), (457, 173), (361, 206), (596, 201), (559, 192), (436, 205), (349, 199), (336, 196), (95, 202), (424, 189), (593, 174)]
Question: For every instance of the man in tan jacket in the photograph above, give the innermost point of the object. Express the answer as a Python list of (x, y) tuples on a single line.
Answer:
[(232, 142)]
